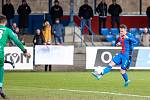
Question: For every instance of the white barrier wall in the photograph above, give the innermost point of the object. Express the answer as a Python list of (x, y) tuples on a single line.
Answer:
[(101, 56), (64, 55), (21, 63), (54, 55)]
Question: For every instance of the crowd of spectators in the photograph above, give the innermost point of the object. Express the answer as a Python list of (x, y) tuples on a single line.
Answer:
[(23, 12), (54, 32)]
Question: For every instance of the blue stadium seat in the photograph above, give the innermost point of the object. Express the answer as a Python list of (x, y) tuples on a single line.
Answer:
[(141, 30), (149, 30), (105, 31), (114, 31), (117, 36), (139, 43), (133, 31), (113, 43), (110, 38)]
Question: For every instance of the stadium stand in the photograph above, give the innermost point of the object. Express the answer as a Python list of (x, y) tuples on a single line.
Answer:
[(114, 31), (110, 38), (105, 31), (141, 30), (130, 17), (133, 31)]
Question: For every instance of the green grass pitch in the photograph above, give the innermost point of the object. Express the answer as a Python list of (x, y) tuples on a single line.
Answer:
[(76, 86)]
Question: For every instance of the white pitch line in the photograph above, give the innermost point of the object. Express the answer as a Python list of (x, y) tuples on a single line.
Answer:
[(84, 91), (98, 92)]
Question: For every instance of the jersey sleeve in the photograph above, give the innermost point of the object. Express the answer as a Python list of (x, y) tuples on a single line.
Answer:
[(133, 40), (12, 36), (117, 41)]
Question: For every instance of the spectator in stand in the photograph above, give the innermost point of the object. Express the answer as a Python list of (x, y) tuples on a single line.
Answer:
[(16, 29), (14, 26), (148, 15), (145, 38), (23, 12), (86, 15), (47, 37), (56, 11), (47, 32), (102, 11), (38, 38), (115, 10), (22, 39), (8, 11), (58, 31)]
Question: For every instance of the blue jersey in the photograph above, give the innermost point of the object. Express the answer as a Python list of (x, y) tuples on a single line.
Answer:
[(127, 44), (124, 58)]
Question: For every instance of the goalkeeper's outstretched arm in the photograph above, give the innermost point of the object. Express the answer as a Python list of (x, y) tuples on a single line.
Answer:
[(18, 43)]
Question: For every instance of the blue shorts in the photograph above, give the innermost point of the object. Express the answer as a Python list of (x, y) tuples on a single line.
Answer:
[(123, 60)]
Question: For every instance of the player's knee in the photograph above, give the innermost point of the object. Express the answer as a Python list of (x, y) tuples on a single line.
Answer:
[(122, 71), (112, 64)]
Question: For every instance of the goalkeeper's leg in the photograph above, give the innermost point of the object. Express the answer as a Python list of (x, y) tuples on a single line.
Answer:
[(2, 94)]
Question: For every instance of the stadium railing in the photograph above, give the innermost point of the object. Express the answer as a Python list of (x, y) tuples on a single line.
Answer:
[(92, 35)]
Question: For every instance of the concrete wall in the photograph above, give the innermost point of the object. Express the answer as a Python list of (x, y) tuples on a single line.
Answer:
[(41, 6)]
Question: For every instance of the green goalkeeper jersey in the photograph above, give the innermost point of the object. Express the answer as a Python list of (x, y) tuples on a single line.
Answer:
[(5, 35)]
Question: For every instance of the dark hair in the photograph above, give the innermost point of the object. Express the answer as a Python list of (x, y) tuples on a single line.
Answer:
[(57, 19), (24, 1), (123, 26), (2, 18), (56, 1), (45, 20), (85, 0)]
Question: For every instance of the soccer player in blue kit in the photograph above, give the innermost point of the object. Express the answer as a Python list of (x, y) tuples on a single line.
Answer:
[(124, 58)]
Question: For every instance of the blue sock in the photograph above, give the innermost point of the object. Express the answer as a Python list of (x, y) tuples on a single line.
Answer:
[(107, 70), (125, 76)]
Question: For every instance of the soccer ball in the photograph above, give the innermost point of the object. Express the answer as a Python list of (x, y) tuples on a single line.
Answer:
[(98, 69)]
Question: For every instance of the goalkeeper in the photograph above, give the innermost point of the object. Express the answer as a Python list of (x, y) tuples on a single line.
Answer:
[(5, 34)]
